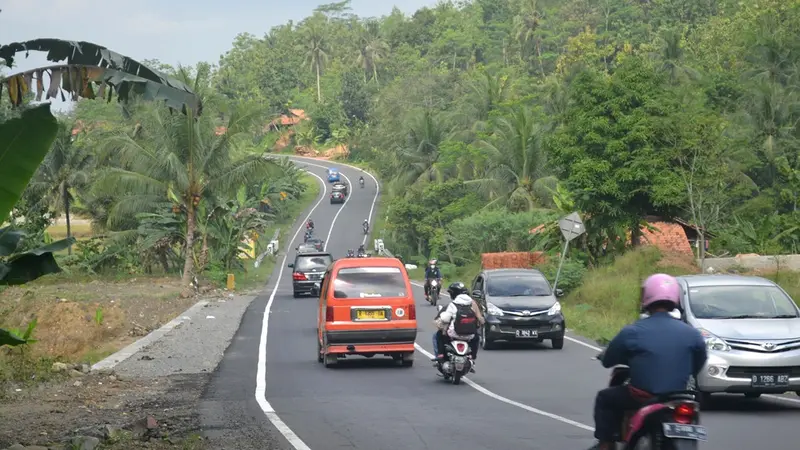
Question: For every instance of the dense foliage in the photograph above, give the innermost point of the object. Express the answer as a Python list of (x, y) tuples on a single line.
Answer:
[(477, 110), (485, 119)]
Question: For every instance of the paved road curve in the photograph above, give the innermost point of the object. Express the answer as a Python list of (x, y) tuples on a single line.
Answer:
[(521, 397)]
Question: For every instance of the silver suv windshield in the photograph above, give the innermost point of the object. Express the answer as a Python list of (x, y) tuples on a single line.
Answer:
[(741, 302)]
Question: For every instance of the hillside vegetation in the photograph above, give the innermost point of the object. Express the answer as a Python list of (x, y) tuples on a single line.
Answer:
[(484, 119)]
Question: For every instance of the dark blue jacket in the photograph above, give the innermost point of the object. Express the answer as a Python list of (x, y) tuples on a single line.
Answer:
[(433, 273), (662, 352)]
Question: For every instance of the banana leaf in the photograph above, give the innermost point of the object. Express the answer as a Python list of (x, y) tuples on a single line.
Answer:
[(89, 70), (21, 268), (24, 142)]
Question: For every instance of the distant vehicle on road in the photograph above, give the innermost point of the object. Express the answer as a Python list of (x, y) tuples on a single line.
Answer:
[(318, 244), (752, 331), (519, 305), (333, 175), (366, 307), (306, 248), (337, 197), (341, 187), (308, 269)]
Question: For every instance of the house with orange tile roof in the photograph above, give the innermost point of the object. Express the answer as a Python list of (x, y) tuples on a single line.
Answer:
[(294, 117)]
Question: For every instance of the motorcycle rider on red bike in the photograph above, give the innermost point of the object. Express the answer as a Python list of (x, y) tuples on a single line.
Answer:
[(661, 352), (310, 225)]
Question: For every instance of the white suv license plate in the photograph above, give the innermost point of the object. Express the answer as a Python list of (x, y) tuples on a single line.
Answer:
[(681, 431)]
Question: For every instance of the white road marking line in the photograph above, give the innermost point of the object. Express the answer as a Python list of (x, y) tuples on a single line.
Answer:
[(261, 372), (506, 400), (377, 187), (374, 199)]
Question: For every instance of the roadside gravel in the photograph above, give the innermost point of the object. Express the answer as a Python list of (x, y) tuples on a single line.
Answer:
[(194, 346)]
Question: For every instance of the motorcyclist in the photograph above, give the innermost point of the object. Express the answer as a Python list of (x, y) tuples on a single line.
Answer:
[(361, 180), (310, 224), (432, 272), (445, 322), (362, 250), (366, 226), (350, 253), (661, 352)]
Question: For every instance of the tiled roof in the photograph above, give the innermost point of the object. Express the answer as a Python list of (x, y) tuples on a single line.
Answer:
[(512, 260), (668, 237)]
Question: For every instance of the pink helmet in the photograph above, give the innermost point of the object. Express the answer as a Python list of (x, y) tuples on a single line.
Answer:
[(661, 287)]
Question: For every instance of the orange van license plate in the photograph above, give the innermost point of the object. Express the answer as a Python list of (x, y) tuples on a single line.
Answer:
[(373, 314)]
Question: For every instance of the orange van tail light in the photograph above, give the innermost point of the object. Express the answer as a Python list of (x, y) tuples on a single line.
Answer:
[(412, 312), (329, 314), (299, 276)]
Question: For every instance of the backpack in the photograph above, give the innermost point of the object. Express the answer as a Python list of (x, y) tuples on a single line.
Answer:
[(465, 323)]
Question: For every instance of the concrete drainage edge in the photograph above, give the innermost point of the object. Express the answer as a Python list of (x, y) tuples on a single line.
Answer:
[(111, 361)]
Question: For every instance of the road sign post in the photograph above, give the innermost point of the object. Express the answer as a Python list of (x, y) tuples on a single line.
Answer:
[(571, 227)]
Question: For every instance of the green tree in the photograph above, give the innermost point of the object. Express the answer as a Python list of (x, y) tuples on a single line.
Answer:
[(181, 159), (609, 148), (65, 171), (315, 47)]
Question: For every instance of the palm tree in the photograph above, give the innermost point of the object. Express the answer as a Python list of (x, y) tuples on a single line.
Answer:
[(418, 157), (182, 158), (316, 48), (518, 164), (524, 26), (66, 168), (373, 48)]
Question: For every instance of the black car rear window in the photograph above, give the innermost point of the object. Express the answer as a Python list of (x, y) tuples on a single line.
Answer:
[(369, 282), (312, 262), (522, 285)]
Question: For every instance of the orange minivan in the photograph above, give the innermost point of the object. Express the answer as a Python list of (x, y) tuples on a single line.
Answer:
[(366, 307)]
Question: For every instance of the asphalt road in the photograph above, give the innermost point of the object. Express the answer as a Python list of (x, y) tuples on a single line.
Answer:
[(530, 397)]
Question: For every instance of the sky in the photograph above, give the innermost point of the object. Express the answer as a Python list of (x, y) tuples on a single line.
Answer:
[(172, 31)]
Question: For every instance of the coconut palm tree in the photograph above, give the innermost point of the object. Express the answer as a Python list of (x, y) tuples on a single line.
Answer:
[(66, 168), (315, 47), (373, 48), (518, 171), (185, 159)]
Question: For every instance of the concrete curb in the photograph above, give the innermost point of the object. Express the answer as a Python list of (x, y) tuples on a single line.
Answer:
[(111, 361)]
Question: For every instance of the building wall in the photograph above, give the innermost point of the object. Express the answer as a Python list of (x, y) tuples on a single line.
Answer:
[(754, 262)]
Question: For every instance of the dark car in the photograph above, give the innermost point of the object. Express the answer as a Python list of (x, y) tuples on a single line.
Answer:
[(308, 269), (341, 187), (337, 197), (520, 306), (317, 243)]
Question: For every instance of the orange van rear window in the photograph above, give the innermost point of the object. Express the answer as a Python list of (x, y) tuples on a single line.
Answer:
[(369, 282)]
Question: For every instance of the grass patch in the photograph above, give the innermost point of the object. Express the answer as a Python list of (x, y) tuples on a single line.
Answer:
[(608, 298), (255, 278), (82, 319), (80, 230)]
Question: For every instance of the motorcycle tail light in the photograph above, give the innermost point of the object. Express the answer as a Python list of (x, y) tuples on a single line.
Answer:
[(299, 276), (684, 413), (461, 347)]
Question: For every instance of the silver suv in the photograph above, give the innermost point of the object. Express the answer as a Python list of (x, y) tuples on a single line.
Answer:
[(752, 332)]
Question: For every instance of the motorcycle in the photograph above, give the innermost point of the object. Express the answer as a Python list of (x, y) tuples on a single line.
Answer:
[(664, 422), (361, 182), (366, 228), (351, 254), (457, 360), (309, 234), (433, 292)]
